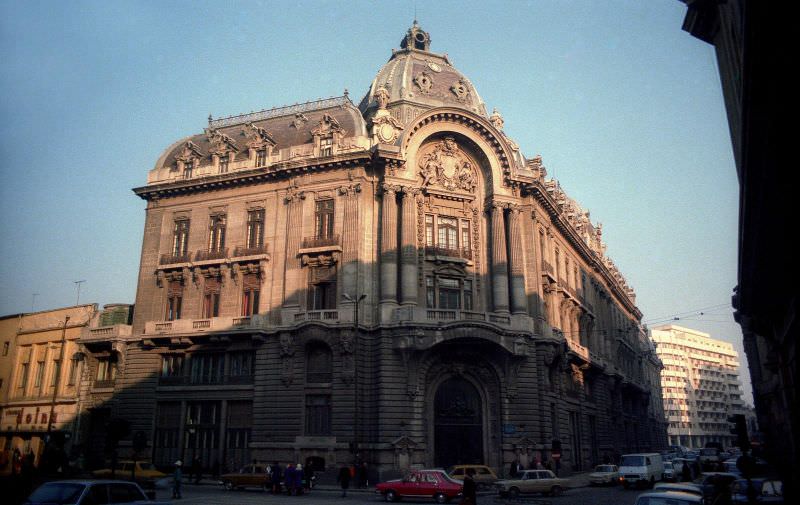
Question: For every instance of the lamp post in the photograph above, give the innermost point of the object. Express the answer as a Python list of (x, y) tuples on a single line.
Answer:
[(356, 302)]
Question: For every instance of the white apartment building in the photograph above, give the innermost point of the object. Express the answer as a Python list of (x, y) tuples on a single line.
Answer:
[(700, 385)]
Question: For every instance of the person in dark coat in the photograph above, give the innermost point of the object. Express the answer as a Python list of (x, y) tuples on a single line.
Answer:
[(197, 469), (344, 479), (288, 478), (469, 491), (177, 479), (275, 477)]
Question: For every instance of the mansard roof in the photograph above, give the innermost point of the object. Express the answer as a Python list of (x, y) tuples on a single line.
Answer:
[(287, 126)]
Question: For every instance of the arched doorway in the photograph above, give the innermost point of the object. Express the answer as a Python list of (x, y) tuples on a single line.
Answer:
[(458, 424)]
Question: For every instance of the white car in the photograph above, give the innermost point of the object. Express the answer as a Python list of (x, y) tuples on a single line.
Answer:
[(669, 471), (604, 474), (668, 498)]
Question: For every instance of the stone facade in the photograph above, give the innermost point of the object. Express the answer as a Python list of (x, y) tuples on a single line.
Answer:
[(393, 282)]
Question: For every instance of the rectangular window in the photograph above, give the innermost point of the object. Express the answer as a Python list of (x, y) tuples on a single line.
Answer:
[(211, 295), (448, 233), (241, 364), (37, 382), (188, 168), (255, 228), (318, 415), (56, 372), (468, 295), (106, 370), (216, 233), (250, 294), (207, 368), (261, 158), (23, 375), (430, 292), (465, 242), (429, 231), (324, 219), (180, 238), (172, 365), (322, 288), (72, 378), (174, 301), (326, 146), (449, 294), (224, 161)]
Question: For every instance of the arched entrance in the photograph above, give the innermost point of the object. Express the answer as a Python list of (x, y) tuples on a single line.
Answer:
[(458, 424)]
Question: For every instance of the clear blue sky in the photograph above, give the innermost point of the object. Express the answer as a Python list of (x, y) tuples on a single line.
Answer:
[(625, 108)]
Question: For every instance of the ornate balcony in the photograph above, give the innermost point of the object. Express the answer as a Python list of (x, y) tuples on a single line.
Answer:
[(206, 255), (240, 251), (447, 252), (171, 259), (187, 380), (317, 315), (321, 242), (105, 333)]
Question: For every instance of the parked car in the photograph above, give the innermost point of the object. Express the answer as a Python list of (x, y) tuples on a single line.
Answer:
[(668, 498), (641, 469), (604, 474), (254, 475), (434, 484), (764, 491), (683, 487), (91, 492), (484, 476), (144, 471), (532, 481), (709, 457), (669, 471)]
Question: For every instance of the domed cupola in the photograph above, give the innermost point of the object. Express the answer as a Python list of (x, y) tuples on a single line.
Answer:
[(416, 79)]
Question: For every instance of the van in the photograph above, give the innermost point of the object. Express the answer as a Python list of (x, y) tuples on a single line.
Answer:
[(641, 469)]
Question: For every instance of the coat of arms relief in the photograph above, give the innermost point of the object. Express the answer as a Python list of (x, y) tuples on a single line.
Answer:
[(446, 166)]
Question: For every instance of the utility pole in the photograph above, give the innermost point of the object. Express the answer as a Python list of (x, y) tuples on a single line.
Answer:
[(356, 417), (78, 284)]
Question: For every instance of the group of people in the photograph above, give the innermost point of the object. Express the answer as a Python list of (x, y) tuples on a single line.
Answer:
[(296, 478), (355, 472)]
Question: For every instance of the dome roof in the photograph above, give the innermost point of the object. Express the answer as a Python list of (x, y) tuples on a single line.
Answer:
[(415, 76)]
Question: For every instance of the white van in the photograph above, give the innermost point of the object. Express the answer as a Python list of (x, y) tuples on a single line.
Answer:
[(643, 468)]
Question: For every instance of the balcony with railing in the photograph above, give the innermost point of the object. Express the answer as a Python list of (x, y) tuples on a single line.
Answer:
[(210, 255), (447, 252), (548, 269), (241, 251), (317, 315), (205, 380), (105, 333), (184, 326), (172, 259), (332, 241)]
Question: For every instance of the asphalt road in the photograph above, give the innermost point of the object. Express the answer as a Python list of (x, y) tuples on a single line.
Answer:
[(214, 495)]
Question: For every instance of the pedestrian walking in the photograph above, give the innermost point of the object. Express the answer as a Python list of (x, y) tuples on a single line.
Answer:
[(362, 475), (344, 479), (288, 479), (197, 469), (275, 477), (177, 478), (469, 495)]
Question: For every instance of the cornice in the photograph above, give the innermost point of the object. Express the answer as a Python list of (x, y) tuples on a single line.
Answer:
[(280, 170)]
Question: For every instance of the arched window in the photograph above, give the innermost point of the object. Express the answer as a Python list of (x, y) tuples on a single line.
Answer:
[(319, 363)]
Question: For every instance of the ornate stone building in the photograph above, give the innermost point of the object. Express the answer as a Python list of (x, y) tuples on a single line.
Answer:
[(392, 281)]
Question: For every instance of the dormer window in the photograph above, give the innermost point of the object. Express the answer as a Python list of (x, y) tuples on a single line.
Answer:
[(261, 158), (188, 167), (326, 146), (223, 163)]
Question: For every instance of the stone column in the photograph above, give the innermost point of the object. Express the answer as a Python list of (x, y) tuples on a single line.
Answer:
[(293, 285), (389, 245), (408, 256), (499, 259), (351, 238), (519, 303)]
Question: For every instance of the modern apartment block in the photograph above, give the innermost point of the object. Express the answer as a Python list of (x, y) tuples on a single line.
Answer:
[(700, 386)]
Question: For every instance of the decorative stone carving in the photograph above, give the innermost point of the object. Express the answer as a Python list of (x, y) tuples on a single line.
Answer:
[(220, 144), (447, 167), (287, 358), (327, 125), (257, 137), (385, 128), (299, 120), (424, 82), (461, 90), (496, 119), (188, 153)]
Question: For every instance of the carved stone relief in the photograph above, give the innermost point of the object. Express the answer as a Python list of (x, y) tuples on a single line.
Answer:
[(461, 90), (424, 82), (446, 166)]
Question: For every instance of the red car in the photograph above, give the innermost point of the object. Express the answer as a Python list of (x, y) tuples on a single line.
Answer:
[(434, 484)]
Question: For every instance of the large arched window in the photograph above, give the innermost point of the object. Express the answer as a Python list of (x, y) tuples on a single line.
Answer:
[(319, 364)]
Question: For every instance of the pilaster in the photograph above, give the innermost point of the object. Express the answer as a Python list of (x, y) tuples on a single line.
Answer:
[(408, 257), (389, 244), (519, 304), (499, 258)]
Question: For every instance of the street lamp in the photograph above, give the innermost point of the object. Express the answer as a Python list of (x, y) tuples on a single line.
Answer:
[(356, 302)]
